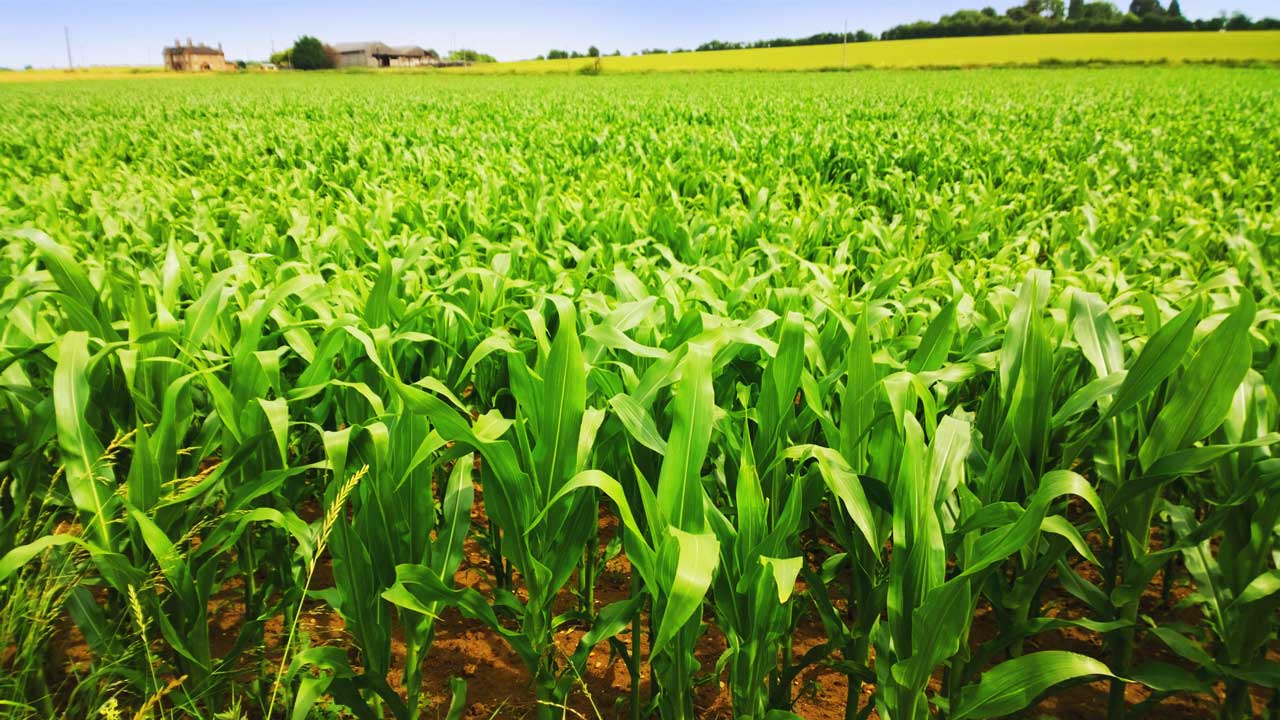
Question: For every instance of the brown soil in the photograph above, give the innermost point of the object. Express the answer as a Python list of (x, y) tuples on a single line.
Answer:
[(498, 686)]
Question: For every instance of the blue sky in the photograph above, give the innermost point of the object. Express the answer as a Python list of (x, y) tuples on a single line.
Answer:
[(132, 32)]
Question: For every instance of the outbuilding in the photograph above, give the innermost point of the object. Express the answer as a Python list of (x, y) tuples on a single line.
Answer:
[(376, 54)]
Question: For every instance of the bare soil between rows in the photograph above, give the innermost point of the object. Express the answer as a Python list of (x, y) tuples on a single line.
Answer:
[(499, 686)]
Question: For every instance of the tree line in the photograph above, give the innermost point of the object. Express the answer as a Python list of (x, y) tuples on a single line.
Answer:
[(1033, 16), (1077, 16), (817, 39)]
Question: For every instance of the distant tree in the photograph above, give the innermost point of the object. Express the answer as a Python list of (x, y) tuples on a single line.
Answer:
[(557, 55), (541, 57), (471, 56), (617, 53), (1146, 8), (1054, 9), (1175, 10), (593, 51), (1075, 10), (1100, 11), (1239, 21), (988, 11), (284, 58), (575, 54), (309, 54)]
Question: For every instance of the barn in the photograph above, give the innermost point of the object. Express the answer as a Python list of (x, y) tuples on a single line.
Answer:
[(376, 54), (194, 58)]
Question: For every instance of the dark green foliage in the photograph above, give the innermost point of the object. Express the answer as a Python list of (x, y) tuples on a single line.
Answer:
[(471, 56), (309, 54), (1146, 8), (1048, 16)]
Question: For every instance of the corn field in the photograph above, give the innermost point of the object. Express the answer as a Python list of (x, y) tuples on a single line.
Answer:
[(901, 395)]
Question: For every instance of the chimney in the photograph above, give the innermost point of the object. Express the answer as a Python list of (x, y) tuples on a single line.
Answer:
[(219, 47), (176, 42)]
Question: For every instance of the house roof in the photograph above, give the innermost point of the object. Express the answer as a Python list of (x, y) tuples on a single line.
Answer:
[(193, 49)]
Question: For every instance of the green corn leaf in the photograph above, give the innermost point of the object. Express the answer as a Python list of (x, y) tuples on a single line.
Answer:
[(458, 495), (680, 481), (1204, 393), (562, 407), (780, 382), (935, 344), (1014, 684), (144, 472), (749, 502), (86, 475), (1032, 297), (1058, 525), (846, 486), (687, 562), (999, 544), (857, 405), (1159, 358), (277, 414), (458, 700), (940, 624), (420, 589), (784, 571), (638, 422), (1163, 677), (11, 561), (1096, 333), (1263, 586), (90, 619)]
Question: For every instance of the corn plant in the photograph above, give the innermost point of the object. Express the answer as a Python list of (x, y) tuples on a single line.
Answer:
[(543, 536)]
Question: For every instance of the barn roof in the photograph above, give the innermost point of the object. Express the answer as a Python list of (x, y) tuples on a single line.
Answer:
[(377, 48)]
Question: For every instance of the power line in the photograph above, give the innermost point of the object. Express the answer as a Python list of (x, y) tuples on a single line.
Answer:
[(844, 45)]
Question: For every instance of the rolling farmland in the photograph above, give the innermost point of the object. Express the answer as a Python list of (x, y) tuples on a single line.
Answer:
[(914, 394), (1172, 47)]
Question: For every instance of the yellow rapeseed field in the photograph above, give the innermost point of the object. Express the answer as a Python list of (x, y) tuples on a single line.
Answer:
[(96, 72), (1003, 50)]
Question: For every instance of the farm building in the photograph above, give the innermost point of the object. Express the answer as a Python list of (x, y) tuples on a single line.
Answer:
[(376, 54), (194, 58)]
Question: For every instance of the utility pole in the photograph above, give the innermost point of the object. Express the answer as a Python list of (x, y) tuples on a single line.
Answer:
[(844, 46), (66, 32)]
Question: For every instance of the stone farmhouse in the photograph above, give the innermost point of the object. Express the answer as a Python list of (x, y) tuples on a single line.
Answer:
[(194, 58)]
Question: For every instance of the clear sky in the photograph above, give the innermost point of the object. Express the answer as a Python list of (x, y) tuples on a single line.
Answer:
[(132, 32)]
